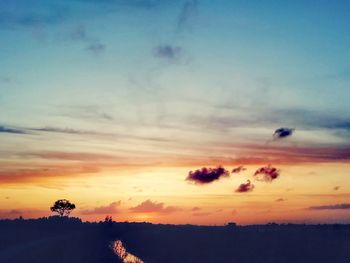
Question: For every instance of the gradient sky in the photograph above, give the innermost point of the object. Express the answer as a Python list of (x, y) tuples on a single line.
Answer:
[(111, 103)]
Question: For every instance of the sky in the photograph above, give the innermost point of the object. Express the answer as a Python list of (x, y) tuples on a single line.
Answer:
[(166, 111)]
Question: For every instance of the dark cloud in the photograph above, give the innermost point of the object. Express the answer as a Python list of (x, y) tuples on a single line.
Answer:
[(207, 175), (330, 207), (283, 133), (196, 208), (266, 174), (153, 207), (247, 187), (112, 208), (238, 169), (187, 12), (336, 188), (168, 52), (4, 129), (96, 48)]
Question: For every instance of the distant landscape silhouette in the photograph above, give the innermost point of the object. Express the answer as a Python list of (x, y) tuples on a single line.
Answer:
[(68, 239)]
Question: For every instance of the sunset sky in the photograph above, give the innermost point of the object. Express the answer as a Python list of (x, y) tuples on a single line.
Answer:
[(111, 103)]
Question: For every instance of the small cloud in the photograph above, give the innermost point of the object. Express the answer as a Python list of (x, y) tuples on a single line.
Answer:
[(247, 187), (336, 188), (4, 129), (168, 52), (153, 207), (196, 208), (96, 48), (330, 207), (280, 200), (238, 169), (283, 133), (266, 174), (207, 175), (112, 208)]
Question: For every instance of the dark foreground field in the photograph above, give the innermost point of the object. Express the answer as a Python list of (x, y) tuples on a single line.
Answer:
[(69, 240)]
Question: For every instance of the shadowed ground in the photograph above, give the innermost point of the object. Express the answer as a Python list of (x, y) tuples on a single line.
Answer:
[(70, 240)]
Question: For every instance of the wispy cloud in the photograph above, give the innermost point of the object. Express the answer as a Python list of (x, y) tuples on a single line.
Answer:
[(21, 174), (188, 11), (79, 33), (93, 44), (168, 52), (4, 129), (6, 79), (149, 206), (112, 208), (92, 112), (10, 17), (62, 130), (96, 48), (330, 207), (71, 156)]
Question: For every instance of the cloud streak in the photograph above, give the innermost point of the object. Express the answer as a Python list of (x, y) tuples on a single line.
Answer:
[(330, 207), (4, 129)]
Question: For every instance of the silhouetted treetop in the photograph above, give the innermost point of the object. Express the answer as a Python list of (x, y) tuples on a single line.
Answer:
[(63, 207)]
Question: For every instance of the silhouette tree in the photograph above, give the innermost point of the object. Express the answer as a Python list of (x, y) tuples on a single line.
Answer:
[(63, 207)]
